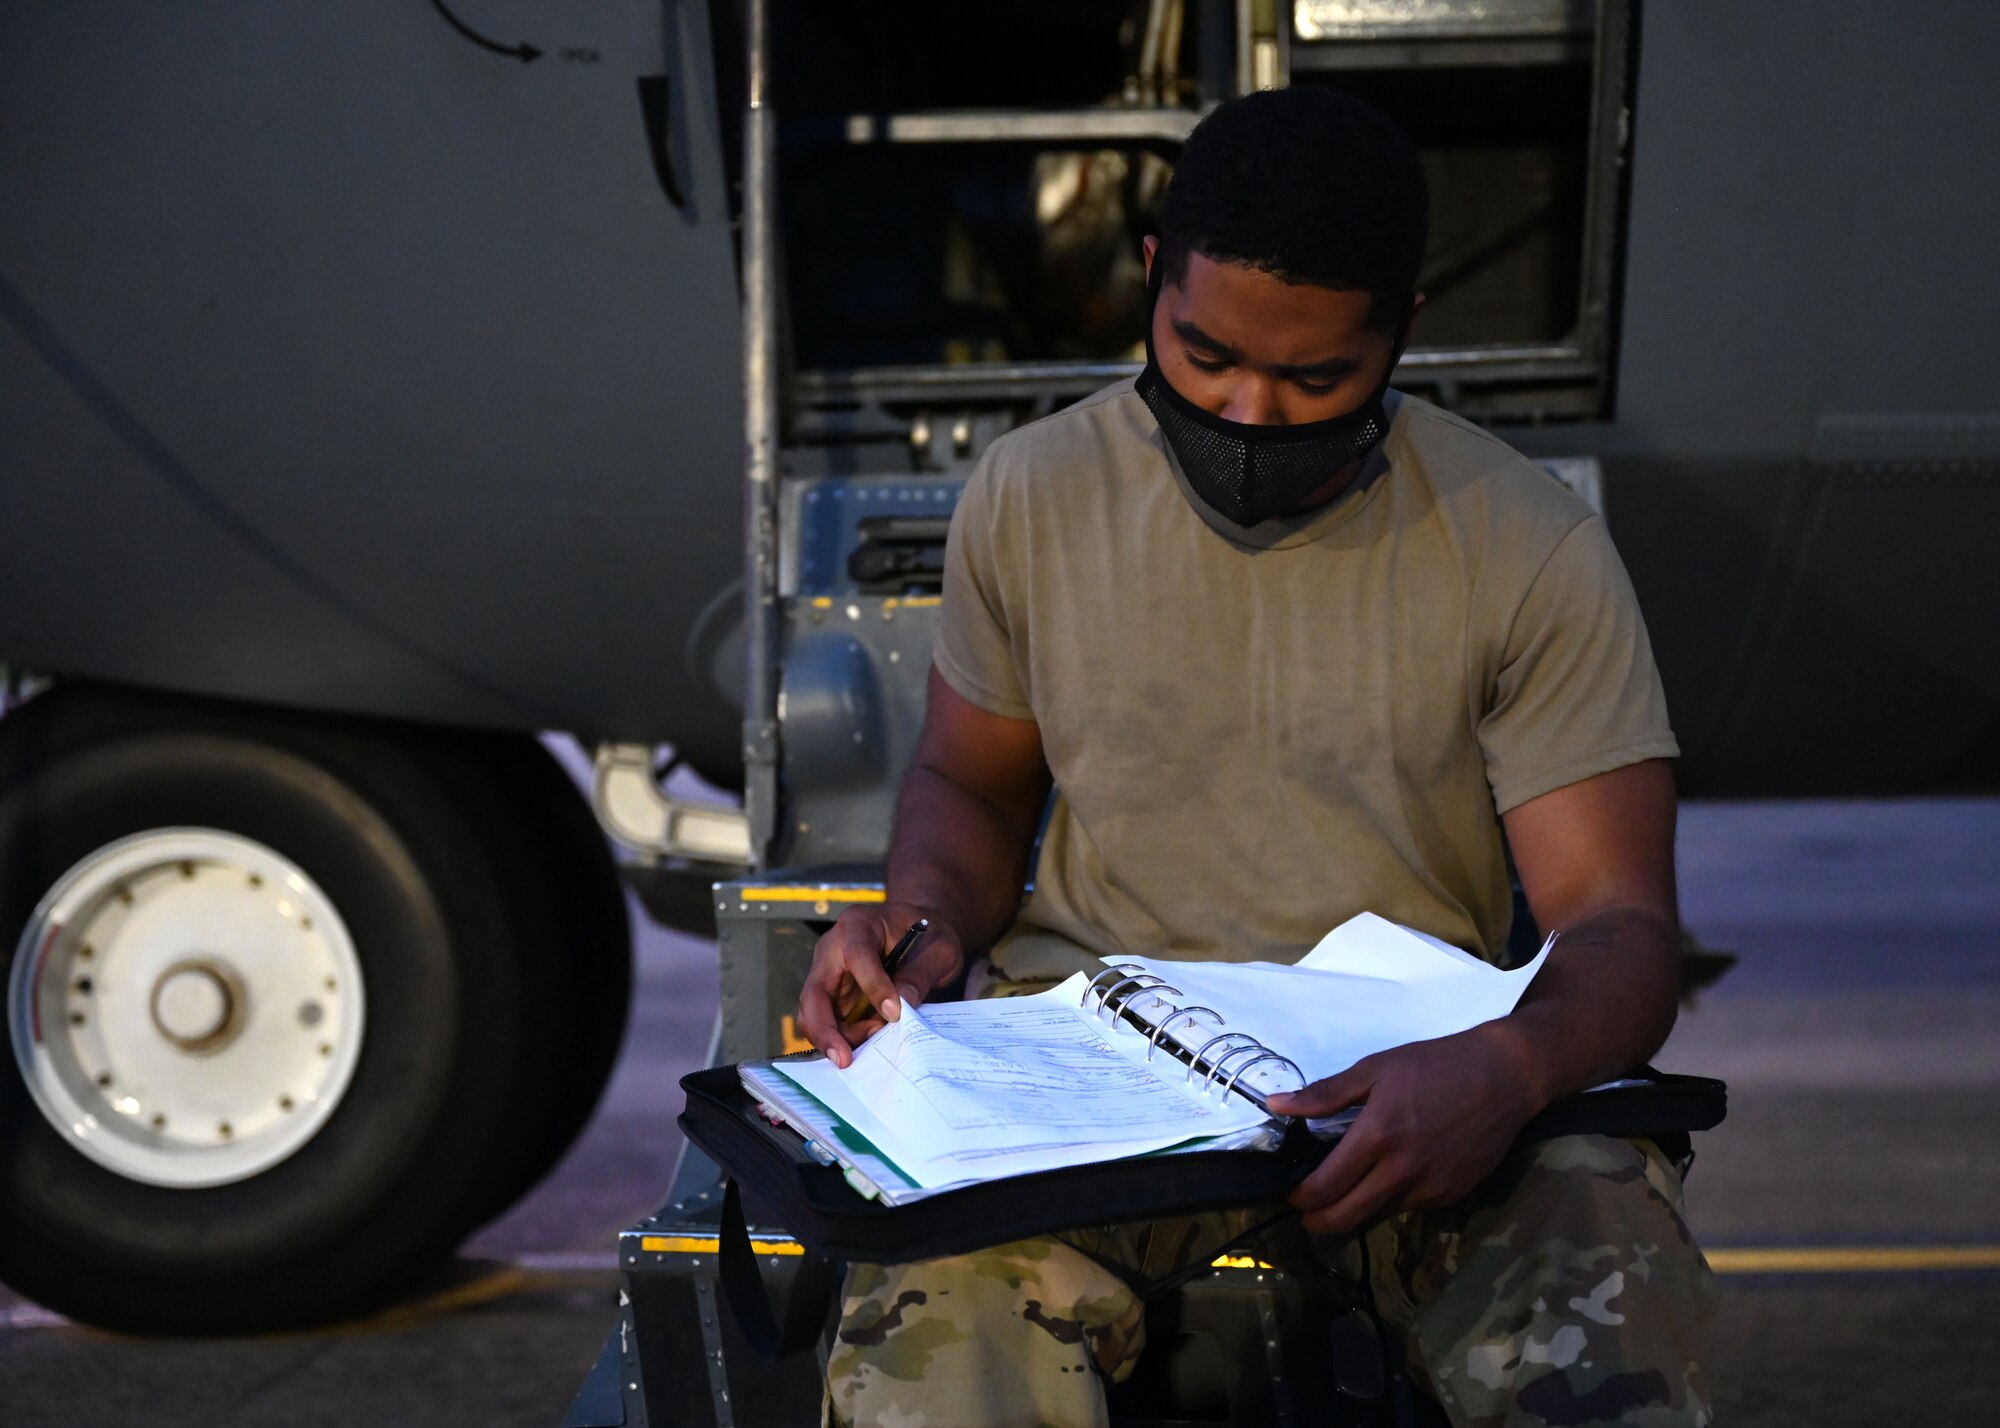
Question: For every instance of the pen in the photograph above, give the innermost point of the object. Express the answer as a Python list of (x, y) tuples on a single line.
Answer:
[(893, 963), (905, 944)]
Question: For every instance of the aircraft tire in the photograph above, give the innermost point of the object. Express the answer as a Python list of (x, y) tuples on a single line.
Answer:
[(566, 903), (371, 827)]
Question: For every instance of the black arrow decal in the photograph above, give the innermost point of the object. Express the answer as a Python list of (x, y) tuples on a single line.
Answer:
[(524, 52), (653, 105)]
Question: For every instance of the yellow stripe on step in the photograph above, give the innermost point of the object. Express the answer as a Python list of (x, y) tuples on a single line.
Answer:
[(813, 895), (695, 1244)]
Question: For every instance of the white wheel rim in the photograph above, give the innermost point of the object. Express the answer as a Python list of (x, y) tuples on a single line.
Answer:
[(186, 1007)]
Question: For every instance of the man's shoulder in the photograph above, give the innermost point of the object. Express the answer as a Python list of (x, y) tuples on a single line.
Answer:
[(1482, 485), (1111, 420)]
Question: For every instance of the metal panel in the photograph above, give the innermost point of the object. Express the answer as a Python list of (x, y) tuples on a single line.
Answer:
[(1439, 54), (1811, 216), (762, 966), (345, 364), (689, 1365), (852, 709), (600, 1403), (821, 523), (1060, 127), (1437, 19)]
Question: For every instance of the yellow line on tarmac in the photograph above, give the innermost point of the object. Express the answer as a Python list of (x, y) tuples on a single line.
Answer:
[(501, 1282), (1853, 1259), (1801, 1259), (505, 1281)]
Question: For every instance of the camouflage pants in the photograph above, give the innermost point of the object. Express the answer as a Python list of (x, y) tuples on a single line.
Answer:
[(1565, 1290)]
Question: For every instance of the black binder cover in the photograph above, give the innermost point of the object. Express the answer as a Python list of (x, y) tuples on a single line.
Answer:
[(815, 1204)]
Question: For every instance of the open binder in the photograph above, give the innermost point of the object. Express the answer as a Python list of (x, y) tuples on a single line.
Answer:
[(801, 1177), (1223, 1060), (1212, 1067)]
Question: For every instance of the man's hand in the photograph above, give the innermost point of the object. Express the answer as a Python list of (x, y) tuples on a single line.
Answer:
[(1436, 1118), (848, 996), (1597, 861)]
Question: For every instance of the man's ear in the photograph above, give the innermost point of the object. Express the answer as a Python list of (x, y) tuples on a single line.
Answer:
[(1150, 245)]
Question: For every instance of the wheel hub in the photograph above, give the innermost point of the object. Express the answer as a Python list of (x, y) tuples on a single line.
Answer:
[(186, 1006), (198, 1005)]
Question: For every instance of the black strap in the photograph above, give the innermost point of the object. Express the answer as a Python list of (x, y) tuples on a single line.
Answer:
[(743, 1286)]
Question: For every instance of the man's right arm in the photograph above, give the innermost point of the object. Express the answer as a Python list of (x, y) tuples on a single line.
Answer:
[(965, 824)]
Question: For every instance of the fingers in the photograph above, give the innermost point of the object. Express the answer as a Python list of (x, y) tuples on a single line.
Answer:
[(1370, 1170), (819, 1025), (856, 1032), (848, 995), (1345, 1167), (1380, 1189), (934, 964), (1329, 1094), (829, 996), (861, 959)]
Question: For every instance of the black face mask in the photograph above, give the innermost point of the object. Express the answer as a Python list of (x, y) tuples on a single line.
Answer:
[(1247, 473)]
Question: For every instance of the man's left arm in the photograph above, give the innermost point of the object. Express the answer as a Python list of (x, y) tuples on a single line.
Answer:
[(1596, 861)]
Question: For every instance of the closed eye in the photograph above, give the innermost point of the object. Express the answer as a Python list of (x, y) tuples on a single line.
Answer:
[(1215, 365), (1322, 377)]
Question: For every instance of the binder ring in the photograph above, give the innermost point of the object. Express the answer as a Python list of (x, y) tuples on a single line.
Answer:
[(1124, 969), (1154, 990), (1161, 1029), (1230, 1084), (1256, 1049), (1139, 981), (1201, 1062)]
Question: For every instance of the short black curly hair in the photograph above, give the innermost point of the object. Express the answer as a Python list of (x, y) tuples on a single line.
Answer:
[(1309, 185)]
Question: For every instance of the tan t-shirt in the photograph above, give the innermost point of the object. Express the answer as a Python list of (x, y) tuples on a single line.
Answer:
[(1255, 737)]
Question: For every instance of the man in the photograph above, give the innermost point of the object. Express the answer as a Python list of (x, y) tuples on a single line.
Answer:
[(1292, 647)]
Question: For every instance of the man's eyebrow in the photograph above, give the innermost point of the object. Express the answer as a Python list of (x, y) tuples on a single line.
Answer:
[(1329, 370), (1189, 333)]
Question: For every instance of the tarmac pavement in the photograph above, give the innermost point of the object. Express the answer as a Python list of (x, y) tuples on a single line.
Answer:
[(1851, 1202)]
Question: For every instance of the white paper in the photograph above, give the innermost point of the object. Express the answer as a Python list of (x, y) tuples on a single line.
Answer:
[(978, 1090), (1368, 945), (1006, 1086), (780, 1096), (1370, 985)]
